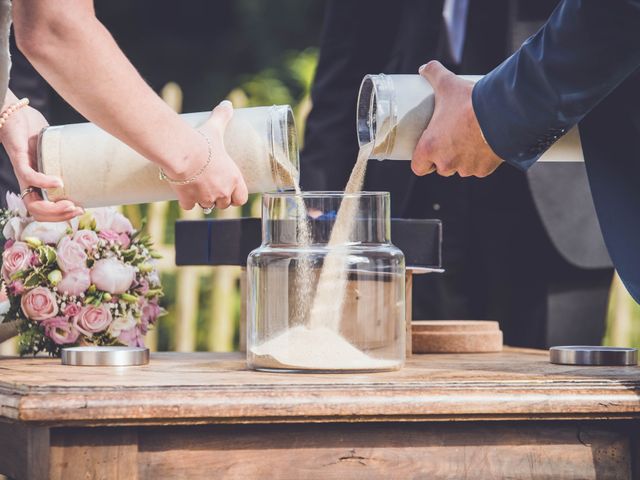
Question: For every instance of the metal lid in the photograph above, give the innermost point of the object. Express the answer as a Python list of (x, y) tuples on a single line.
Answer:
[(593, 355), (105, 356)]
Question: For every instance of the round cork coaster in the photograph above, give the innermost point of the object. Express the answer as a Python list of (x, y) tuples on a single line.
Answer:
[(455, 336)]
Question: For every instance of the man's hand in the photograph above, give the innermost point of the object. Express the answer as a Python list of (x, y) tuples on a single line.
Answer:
[(452, 142)]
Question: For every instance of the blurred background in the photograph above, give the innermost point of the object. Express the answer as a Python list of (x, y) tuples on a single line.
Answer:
[(254, 53)]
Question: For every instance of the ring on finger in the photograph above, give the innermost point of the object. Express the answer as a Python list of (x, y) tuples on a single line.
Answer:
[(207, 210), (27, 191)]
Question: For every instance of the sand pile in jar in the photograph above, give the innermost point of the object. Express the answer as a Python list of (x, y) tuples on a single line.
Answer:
[(318, 345), (303, 348)]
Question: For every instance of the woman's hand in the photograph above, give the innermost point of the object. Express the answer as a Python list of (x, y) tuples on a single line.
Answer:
[(19, 135), (221, 183)]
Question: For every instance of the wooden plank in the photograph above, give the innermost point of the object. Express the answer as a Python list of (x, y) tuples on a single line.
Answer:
[(24, 451), (341, 452), (179, 388), (96, 453), (408, 315)]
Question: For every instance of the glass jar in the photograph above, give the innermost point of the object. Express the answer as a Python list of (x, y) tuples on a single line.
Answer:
[(393, 111), (262, 141), (291, 325)]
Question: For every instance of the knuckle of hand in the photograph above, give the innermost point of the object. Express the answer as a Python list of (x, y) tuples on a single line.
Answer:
[(447, 164)]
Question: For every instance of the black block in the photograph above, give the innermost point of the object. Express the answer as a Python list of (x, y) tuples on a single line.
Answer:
[(229, 241)]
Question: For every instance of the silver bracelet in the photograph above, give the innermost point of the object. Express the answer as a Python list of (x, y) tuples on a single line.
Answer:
[(193, 178)]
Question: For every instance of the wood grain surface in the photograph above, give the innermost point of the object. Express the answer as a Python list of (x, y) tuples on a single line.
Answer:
[(558, 451), (491, 450), (217, 388)]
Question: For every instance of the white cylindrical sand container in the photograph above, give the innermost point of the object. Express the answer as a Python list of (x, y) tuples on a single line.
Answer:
[(99, 170), (394, 110)]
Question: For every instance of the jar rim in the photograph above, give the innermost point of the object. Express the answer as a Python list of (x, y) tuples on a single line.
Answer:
[(326, 194)]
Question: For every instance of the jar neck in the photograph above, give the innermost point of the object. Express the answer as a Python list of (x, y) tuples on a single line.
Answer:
[(296, 220)]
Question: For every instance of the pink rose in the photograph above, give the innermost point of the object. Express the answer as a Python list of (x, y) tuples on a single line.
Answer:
[(16, 259), (121, 224), (71, 310), (47, 232), (124, 240), (39, 304), (142, 286), (132, 337), (16, 288), (87, 238), (75, 282), (71, 255), (60, 330), (92, 319), (109, 235), (150, 313), (113, 276)]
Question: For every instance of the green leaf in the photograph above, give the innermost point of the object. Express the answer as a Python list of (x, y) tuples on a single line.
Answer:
[(35, 279), (47, 254), (17, 275), (127, 297)]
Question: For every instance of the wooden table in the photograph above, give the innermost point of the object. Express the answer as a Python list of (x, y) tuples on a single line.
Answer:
[(506, 415)]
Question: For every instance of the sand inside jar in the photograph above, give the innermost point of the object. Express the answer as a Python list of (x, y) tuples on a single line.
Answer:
[(320, 348)]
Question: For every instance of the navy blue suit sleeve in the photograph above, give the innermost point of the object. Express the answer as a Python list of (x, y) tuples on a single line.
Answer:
[(582, 53)]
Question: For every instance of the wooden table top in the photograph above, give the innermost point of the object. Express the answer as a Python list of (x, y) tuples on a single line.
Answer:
[(180, 388)]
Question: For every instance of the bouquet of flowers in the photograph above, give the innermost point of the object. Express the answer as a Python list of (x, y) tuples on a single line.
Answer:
[(89, 281)]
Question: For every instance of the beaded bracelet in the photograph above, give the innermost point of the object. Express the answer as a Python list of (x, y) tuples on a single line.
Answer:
[(11, 109)]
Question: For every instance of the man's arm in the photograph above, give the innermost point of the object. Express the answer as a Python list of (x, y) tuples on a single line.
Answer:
[(583, 52)]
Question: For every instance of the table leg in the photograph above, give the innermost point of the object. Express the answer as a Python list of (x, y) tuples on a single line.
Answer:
[(24, 451)]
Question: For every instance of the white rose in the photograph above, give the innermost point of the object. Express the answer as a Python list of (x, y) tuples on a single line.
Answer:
[(121, 224), (16, 204), (47, 232), (74, 222), (111, 275), (13, 228), (120, 324), (103, 217), (4, 309), (153, 278)]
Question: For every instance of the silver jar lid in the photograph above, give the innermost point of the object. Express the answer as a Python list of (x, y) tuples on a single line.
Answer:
[(105, 356), (593, 355)]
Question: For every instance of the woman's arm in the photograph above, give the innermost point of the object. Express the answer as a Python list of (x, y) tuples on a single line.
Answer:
[(76, 54), (19, 136)]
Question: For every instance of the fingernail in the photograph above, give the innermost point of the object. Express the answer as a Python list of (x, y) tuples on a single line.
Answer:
[(226, 103), (422, 67)]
